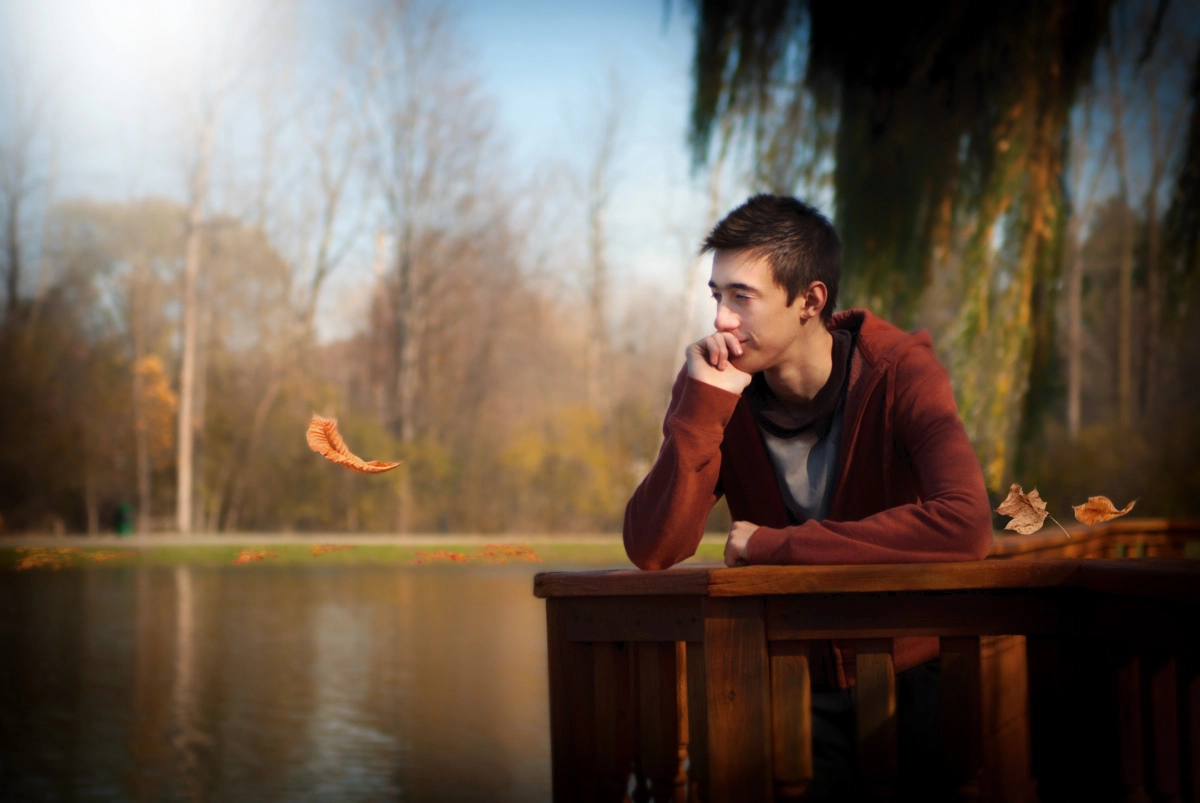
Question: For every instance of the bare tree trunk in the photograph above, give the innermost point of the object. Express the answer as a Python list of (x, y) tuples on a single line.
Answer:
[(141, 434), (598, 196), (12, 279), (184, 486), (1125, 269), (1080, 214), (409, 331), (91, 502)]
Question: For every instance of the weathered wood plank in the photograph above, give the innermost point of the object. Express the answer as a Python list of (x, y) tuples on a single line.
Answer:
[(984, 574), (621, 582), (658, 705), (1172, 579), (791, 719), (669, 618), (964, 613), (875, 711), (739, 722)]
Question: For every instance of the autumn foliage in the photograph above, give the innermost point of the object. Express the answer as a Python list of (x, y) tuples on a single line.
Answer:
[(36, 557)]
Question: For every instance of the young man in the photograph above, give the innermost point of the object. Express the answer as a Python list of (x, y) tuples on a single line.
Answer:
[(834, 438)]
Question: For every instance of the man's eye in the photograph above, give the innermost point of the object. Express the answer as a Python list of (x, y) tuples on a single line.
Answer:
[(743, 297)]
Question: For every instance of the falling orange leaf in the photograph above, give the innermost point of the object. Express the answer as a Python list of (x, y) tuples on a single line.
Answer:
[(1028, 511), (321, 549), (323, 438), (1098, 509), (249, 555)]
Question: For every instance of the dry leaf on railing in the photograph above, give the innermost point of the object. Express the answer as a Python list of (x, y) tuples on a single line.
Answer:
[(323, 438), (1100, 508), (1028, 511)]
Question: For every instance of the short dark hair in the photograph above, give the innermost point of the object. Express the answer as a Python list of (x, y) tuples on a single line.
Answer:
[(797, 240)]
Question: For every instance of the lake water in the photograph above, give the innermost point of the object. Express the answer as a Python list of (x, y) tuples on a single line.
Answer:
[(264, 683)]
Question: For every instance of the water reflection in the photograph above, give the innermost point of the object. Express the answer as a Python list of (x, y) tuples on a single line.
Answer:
[(273, 683)]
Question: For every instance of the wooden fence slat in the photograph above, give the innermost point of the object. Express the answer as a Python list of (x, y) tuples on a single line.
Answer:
[(1161, 676), (697, 707), (1129, 726), (962, 720), (615, 734), (791, 719), (659, 713), (875, 708)]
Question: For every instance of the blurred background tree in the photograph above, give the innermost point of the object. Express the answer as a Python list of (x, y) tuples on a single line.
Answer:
[(962, 143), (1022, 179)]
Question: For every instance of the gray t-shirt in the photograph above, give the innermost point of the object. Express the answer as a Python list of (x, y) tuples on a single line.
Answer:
[(803, 440)]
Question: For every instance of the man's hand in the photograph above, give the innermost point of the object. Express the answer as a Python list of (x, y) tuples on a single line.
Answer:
[(739, 539), (709, 360)]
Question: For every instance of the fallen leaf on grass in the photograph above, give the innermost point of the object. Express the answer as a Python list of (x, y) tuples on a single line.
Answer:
[(1028, 511), (250, 555), (321, 549), (39, 557), (493, 553), (1098, 509), (101, 556), (323, 438)]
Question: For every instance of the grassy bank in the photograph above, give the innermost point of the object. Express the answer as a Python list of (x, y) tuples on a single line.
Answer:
[(553, 555)]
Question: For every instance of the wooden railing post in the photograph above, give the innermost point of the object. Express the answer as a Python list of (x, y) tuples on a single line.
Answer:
[(1161, 676), (962, 721), (791, 719), (659, 711), (875, 708), (615, 726), (572, 709), (1129, 726), (739, 723), (697, 706)]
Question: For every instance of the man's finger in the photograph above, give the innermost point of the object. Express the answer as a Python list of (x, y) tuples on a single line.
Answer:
[(718, 354), (733, 345)]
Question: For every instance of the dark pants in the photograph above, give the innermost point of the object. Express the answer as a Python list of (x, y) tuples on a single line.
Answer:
[(835, 772)]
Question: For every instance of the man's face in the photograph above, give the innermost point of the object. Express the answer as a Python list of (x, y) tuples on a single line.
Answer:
[(754, 309)]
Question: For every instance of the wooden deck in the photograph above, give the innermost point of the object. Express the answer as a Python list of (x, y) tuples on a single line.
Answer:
[(1068, 673)]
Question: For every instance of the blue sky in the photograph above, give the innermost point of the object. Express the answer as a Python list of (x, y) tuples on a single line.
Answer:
[(545, 65)]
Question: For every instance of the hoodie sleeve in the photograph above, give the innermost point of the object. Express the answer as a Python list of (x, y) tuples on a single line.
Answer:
[(951, 522), (664, 520)]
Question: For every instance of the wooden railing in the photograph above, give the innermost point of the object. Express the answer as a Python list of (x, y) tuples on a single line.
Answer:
[(1063, 678)]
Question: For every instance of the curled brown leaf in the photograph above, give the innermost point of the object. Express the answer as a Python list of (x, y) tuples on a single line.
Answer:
[(1098, 509), (324, 439), (1028, 511)]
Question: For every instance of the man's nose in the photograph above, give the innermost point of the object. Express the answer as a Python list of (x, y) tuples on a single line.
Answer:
[(726, 321)]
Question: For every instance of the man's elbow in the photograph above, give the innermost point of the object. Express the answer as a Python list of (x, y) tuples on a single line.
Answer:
[(644, 557)]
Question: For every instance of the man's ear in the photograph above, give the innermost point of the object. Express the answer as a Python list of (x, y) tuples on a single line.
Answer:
[(812, 300)]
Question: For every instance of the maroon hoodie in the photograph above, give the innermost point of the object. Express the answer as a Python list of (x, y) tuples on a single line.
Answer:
[(909, 488)]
